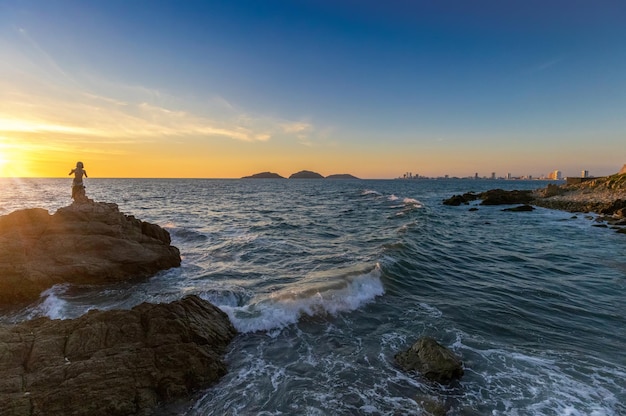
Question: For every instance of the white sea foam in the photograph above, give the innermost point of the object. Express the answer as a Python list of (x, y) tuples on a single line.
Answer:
[(370, 192), (537, 385), (411, 201), (53, 305), (322, 293)]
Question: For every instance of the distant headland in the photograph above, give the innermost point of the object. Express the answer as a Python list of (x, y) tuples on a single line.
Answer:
[(303, 174)]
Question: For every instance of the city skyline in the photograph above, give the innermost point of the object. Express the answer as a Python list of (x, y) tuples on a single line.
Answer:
[(228, 89)]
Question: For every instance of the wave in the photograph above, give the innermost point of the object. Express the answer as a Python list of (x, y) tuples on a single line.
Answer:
[(324, 293)]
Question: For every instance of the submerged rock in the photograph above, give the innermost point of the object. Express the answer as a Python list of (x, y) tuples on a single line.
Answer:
[(431, 359), (84, 243), (113, 363), (520, 208)]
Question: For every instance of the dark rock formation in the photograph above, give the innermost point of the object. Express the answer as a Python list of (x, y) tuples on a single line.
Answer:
[(520, 208), (457, 200), (264, 175), (434, 361), (84, 243), (306, 174), (492, 197), (341, 176), (501, 197), (112, 363)]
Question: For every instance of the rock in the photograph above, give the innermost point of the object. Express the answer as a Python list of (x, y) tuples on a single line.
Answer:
[(432, 360), (520, 208), (457, 200), (84, 243), (121, 362), (502, 197), (306, 174)]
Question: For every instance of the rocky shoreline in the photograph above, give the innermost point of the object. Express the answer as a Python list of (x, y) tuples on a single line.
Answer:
[(84, 243), (604, 196), (114, 363)]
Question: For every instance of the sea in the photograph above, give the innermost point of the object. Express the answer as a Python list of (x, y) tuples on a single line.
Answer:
[(327, 280)]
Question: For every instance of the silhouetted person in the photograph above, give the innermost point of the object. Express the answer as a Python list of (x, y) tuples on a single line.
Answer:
[(78, 189)]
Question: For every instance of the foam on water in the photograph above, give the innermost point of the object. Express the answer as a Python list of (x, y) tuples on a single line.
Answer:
[(328, 293)]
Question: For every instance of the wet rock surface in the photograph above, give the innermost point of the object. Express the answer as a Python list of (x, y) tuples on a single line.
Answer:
[(122, 362), (84, 243), (432, 360)]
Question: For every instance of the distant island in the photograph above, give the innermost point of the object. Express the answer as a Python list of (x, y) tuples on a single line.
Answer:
[(264, 175), (341, 176), (306, 174), (303, 174)]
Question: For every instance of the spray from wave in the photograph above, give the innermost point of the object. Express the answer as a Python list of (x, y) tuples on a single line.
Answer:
[(329, 292)]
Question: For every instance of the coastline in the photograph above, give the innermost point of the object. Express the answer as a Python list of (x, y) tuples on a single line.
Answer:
[(603, 196)]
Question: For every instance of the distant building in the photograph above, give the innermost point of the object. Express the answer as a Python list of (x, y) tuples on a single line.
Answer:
[(508, 175), (555, 175), (584, 174), (493, 175), (476, 175)]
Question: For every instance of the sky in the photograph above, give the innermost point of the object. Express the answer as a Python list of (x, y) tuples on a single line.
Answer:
[(225, 89)]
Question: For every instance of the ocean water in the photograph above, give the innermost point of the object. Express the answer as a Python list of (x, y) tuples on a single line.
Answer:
[(327, 280)]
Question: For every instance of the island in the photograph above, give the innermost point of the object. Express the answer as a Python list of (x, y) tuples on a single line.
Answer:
[(264, 175), (341, 176), (306, 174)]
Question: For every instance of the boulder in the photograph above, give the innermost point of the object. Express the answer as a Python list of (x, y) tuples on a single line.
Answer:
[(502, 197), (84, 243), (113, 363), (432, 360), (456, 200)]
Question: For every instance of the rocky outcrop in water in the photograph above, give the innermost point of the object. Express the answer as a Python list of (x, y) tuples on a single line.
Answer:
[(492, 197), (605, 196), (84, 243), (432, 360), (112, 363)]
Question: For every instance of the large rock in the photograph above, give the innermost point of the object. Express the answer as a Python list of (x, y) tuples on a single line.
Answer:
[(112, 363), (84, 243), (434, 361)]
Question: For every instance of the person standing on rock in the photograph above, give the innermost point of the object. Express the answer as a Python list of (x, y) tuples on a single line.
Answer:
[(78, 189)]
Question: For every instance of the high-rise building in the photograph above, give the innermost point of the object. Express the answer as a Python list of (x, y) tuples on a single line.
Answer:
[(555, 175), (584, 174)]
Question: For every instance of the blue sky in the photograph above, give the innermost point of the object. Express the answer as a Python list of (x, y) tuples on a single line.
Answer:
[(366, 87)]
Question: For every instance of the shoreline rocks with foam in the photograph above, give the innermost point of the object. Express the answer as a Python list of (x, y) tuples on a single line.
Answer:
[(84, 243)]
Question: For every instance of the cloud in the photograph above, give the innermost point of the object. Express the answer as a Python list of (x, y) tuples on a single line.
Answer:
[(39, 97), (545, 65)]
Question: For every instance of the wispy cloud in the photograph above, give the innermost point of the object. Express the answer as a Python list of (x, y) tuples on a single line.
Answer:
[(543, 66), (39, 97)]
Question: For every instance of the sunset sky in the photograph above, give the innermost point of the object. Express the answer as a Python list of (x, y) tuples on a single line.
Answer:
[(224, 89)]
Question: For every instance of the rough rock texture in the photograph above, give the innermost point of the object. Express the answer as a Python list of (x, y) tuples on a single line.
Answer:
[(601, 195), (432, 360), (112, 363), (84, 243)]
